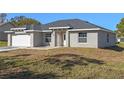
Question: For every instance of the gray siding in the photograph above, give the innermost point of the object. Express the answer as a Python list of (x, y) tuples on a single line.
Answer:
[(102, 39), (44, 43), (4, 27), (92, 37), (37, 39)]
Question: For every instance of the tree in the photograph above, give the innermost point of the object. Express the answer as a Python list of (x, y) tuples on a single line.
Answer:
[(120, 28), (22, 20), (2, 17)]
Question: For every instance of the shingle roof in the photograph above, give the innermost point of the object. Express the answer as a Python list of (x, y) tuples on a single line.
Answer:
[(1, 24), (73, 23)]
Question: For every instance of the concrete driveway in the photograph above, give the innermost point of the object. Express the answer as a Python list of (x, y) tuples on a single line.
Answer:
[(2, 49)]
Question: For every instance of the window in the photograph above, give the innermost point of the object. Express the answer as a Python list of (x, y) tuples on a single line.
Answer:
[(107, 38), (82, 37), (48, 37)]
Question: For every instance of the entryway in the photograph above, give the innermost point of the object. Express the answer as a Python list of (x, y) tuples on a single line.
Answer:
[(64, 39), (60, 39)]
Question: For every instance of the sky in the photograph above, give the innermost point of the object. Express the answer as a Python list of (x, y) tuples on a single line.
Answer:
[(107, 20)]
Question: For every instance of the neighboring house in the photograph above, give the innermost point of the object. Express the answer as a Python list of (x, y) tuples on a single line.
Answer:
[(4, 27), (120, 39), (62, 33)]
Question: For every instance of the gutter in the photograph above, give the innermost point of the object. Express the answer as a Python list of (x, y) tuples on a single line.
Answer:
[(97, 29), (84, 29)]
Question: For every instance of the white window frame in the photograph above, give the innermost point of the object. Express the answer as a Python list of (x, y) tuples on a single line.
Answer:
[(82, 37)]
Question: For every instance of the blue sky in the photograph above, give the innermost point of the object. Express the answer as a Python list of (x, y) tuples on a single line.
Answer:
[(107, 20)]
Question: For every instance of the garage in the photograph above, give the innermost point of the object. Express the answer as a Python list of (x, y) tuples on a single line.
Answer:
[(21, 40)]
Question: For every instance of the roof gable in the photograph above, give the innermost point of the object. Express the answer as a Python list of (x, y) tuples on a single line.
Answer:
[(73, 24)]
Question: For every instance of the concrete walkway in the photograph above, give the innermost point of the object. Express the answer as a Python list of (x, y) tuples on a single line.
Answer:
[(3, 49), (40, 48)]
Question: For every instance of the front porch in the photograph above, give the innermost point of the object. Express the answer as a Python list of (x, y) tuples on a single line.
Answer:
[(59, 38)]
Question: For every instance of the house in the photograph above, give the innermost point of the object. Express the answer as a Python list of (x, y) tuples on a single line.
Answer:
[(62, 33), (4, 27), (120, 39)]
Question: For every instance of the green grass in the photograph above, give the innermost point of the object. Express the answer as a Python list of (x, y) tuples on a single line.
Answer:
[(121, 44), (60, 69), (64, 63), (3, 43)]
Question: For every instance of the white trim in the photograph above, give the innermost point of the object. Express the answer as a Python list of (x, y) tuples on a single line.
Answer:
[(8, 32), (16, 29), (20, 33), (65, 27), (25, 31), (109, 31), (32, 31), (46, 31), (84, 29)]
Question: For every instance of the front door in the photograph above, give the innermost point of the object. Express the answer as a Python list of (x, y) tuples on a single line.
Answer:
[(64, 39)]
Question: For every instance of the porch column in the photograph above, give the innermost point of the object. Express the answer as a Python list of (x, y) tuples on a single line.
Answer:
[(9, 39), (32, 40), (53, 38), (59, 39), (67, 39)]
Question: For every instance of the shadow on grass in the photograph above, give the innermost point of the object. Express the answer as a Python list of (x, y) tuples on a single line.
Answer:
[(29, 75), (115, 48), (71, 61)]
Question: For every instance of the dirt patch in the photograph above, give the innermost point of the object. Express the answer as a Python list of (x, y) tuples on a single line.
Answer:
[(62, 63), (100, 54)]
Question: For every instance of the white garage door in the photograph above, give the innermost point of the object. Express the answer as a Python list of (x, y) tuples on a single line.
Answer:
[(21, 40)]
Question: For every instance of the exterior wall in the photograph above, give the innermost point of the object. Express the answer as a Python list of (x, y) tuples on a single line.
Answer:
[(102, 39), (11, 35), (95, 39), (9, 39), (44, 43), (92, 39), (53, 40), (4, 27), (57, 43), (37, 39)]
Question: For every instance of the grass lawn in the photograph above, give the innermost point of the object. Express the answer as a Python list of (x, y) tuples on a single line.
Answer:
[(121, 44), (3, 43), (72, 63)]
